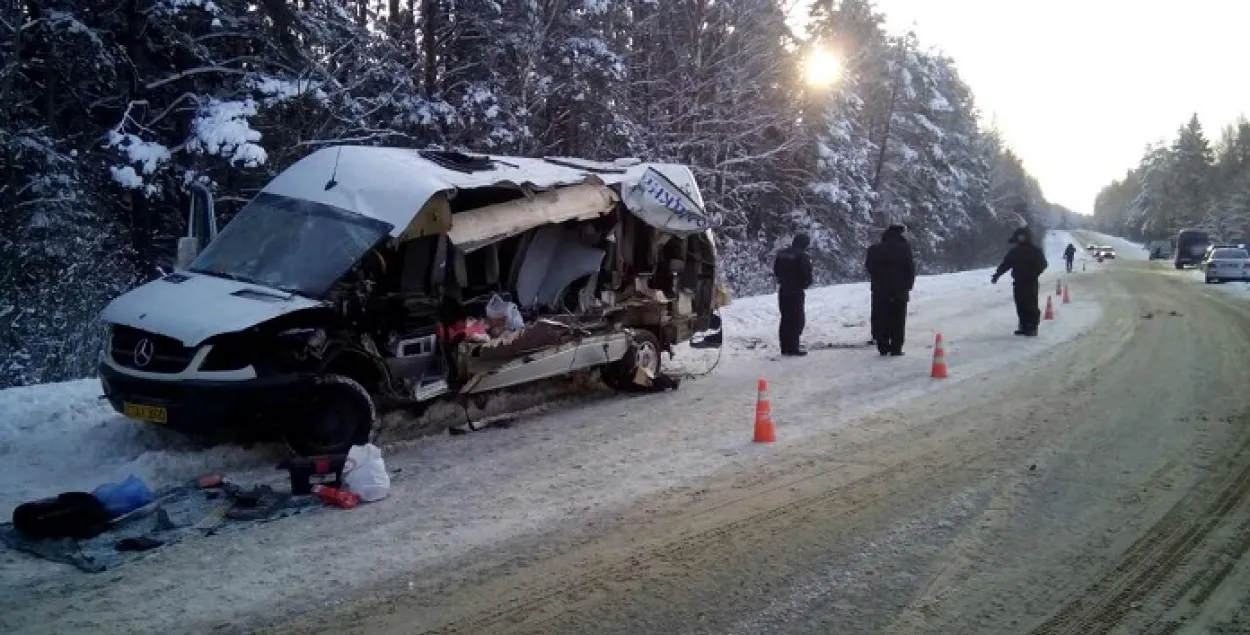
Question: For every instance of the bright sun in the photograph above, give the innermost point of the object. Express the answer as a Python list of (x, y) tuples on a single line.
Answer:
[(821, 68)]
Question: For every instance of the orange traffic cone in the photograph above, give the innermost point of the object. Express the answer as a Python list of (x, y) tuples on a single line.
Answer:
[(1067, 299), (1050, 310), (765, 431), (939, 359), (1058, 287)]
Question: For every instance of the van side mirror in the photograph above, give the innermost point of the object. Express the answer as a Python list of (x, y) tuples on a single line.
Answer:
[(188, 249), (201, 225)]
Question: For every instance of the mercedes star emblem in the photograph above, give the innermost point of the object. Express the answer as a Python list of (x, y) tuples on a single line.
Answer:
[(143, 352)]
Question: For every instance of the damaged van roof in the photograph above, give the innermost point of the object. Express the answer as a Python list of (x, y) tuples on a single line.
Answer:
[(393, 184)]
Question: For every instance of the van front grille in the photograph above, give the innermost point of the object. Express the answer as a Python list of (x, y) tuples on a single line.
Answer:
[(149, 352)]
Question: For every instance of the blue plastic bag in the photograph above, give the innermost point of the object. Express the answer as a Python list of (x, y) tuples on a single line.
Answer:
[(124, 497)]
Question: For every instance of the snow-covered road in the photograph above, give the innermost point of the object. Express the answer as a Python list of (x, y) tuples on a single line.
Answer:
[(459, 499)]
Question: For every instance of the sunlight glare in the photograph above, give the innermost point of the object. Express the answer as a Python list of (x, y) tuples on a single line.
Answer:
[(821, 68)]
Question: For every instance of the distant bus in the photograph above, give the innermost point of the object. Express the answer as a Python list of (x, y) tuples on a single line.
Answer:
[(1191, 246)]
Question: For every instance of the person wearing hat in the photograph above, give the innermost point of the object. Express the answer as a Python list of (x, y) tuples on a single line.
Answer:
[(1026, 262), (794, 275), (892, 272), (1069, 254)]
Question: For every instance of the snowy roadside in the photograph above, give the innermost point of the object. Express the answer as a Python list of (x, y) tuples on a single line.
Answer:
[(460, 495)]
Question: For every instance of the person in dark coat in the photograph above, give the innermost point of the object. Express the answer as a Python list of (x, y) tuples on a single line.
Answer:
[(794, 275), (1026, 262), (892, 272), (1069, 254)]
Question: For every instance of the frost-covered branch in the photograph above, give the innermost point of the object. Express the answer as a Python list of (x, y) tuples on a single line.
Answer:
[(191, 72)]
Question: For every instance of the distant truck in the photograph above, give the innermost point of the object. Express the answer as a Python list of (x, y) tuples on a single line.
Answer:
[(1191, 247)]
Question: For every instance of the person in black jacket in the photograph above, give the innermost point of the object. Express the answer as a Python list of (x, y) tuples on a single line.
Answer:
[(794, 275), (1026, 262), (892, 271), (1069, 254)]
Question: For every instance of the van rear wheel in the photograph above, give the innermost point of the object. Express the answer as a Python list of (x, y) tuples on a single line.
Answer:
[(340, 414), (643, 354)]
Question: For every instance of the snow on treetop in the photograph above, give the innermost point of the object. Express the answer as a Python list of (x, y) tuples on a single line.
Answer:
[(221, 128), (146, 154), (279, 89), (175, 5)]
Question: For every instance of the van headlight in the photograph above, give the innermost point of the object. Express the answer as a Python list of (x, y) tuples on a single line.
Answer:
[(106, 341), (229, 353)]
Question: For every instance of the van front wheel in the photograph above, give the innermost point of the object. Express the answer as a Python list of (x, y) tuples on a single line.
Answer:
[(340, 414), (643, 354)]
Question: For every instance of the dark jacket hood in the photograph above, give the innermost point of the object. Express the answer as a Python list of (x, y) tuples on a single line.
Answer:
[(893, 234), (1022, 235), (801, 241)]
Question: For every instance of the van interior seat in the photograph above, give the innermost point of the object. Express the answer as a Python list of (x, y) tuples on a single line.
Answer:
[(554, 259)]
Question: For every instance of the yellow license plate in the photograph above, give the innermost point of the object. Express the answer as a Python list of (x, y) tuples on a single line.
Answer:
[(151, 414)]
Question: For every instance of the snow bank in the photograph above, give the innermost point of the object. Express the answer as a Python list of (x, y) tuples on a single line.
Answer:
[(60, 437), (479, 492)]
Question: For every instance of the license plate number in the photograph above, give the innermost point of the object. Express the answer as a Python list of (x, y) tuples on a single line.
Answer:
[(151, 414)]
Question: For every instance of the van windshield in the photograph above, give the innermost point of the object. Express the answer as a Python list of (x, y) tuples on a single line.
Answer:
[(290, 244)]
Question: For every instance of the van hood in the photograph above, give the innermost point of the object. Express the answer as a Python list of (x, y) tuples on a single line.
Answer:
[(191, 307)]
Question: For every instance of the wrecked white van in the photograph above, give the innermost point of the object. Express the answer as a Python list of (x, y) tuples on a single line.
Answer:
[(365, 278)]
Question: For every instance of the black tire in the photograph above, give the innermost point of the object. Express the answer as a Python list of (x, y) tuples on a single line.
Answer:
[(644, 350), (340, 414)]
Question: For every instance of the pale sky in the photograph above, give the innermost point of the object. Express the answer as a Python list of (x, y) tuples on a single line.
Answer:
[(1079, 87)]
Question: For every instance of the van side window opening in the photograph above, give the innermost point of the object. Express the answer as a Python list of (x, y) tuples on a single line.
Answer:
[(416, 260), (469, 200)]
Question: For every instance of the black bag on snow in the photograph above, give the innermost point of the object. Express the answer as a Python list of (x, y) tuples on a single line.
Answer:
[(70, 515)]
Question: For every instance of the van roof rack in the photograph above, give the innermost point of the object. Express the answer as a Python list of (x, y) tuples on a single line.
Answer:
[(584, 164), (458, 161)]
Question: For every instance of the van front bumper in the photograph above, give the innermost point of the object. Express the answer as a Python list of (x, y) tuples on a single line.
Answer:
[(206, 407)]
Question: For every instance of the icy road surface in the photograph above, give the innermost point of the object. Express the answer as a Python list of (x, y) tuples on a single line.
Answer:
[(890, 502)]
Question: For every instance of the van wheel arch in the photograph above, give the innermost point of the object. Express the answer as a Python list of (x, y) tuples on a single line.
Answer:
[(340, 414), (645, 347), (358, 365)]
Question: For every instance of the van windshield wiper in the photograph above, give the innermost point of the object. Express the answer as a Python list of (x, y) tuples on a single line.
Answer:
[(289, 290), (225, 274)]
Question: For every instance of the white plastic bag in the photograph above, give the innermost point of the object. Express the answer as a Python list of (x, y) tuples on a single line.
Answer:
[(365, 473), (506, 313)]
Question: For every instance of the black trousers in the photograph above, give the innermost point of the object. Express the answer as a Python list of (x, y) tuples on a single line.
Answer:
[(889, 321), (1025, 293), (1069, 263), (793, 318)]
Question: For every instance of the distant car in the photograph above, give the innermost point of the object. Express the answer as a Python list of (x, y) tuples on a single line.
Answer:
[(1091, 247), (1206, 256), (1105, 252), (1227, 263)]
